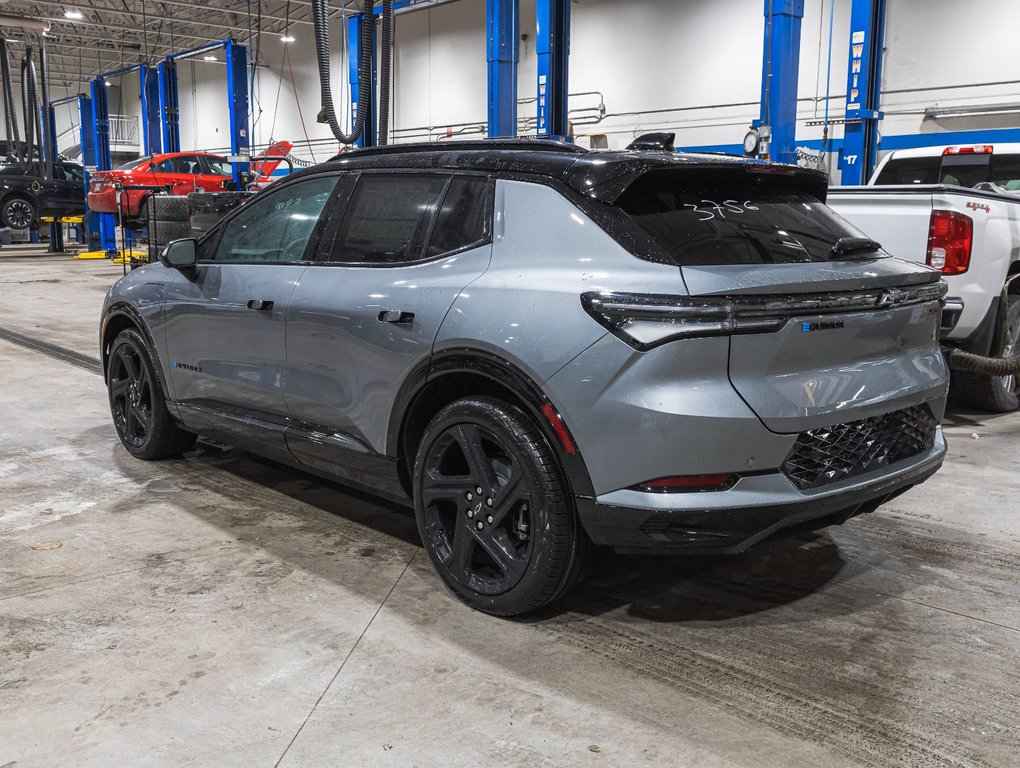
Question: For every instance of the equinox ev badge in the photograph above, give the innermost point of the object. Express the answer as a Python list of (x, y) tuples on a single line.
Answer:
[(830, 326)]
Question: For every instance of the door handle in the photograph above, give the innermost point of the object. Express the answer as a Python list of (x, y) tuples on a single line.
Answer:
[(261, 304), (396, 316)]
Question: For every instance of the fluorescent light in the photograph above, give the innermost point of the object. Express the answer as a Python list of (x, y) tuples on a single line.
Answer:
[(107, 83), (209, 58), (73, 13), (287, 39)]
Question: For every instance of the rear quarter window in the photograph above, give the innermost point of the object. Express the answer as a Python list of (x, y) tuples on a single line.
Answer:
[(910, 170), (717, 217)]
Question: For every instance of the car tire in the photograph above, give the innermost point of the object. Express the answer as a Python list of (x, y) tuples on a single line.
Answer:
[(997, 394), (137, 402), (18, 213), (516, 546)]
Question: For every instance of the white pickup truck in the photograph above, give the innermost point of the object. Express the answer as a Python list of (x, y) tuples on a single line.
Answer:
[(956, 209)]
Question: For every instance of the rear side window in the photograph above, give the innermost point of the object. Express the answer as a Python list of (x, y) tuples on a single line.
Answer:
[(910, 170), (388, 219), (133, 164), (463, 218), (733, 217), (1006, 171)]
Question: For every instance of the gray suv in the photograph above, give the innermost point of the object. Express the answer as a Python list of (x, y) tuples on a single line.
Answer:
[(545, 348)]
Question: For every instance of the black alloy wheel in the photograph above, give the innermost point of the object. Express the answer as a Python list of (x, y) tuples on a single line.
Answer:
[(493, 510), (131, 395), (137, 404), (478, 509)]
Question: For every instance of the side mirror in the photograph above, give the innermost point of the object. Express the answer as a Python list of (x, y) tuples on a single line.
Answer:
[(180, 254)]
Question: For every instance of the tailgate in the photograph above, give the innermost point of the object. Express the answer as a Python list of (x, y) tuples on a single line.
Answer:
[(853, 340), (899, 220)]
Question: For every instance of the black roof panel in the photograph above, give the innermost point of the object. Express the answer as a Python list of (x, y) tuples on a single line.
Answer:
[(599, 174)]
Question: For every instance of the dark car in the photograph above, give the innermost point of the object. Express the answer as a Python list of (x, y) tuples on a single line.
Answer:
[(25, 194)]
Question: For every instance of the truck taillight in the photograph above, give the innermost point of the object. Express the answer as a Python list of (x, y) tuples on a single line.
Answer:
[(950, 236), (977, 149)]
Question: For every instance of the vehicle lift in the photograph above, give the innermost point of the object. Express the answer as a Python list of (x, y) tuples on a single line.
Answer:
[(161, 119)]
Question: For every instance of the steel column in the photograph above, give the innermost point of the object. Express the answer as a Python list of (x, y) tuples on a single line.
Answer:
[(148, 87), (101, 149), (169, 106), (553, 49), (354, 54), (503, 22), (237, 105), (863, 91), (780, 69)]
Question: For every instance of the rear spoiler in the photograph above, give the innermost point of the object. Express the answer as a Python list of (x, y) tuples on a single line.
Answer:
[(607, 184)]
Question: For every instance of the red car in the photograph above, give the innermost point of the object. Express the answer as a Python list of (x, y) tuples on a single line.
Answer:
[(181, 172)]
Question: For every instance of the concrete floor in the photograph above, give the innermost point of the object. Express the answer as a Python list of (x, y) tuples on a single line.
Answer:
[(220, 610)]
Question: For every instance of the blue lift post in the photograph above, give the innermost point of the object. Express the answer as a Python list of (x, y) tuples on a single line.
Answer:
[(779, 75), (503, 22), (237, 102), (169, 105), (237, 106), (553, 50), (354, 54), (148, 87), (863, 91), (85, 131), (106, 223)]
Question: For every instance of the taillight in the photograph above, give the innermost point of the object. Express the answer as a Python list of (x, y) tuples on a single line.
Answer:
[(688, 483), (950, 237), (977, 149)]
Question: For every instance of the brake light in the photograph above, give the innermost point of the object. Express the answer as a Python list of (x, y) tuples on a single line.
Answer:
[(688, 483), (950, 237), (976, 149)]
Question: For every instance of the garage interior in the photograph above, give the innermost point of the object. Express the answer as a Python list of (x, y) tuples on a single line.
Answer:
[(221, 609)]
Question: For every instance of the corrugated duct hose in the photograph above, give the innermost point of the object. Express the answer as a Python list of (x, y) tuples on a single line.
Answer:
[(27, 106), (30, 103), (385, 68), (320, 18), (11, 132), (958, 360)]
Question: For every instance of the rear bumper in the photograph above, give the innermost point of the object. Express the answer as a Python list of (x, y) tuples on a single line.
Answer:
[(106, 201), (756, 509)]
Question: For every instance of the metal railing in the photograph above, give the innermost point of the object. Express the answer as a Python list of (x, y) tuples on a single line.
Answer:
[(124, 130)]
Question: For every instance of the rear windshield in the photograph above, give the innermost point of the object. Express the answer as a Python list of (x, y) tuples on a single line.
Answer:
[(133, 164), (961, 170), (910, 170), (733, 217)]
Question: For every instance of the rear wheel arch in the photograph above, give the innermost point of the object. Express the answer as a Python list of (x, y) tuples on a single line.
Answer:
[(464, 373), (1014, 270)]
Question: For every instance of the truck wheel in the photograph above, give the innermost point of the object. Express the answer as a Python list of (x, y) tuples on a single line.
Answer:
[(998, 394), (494, 514)]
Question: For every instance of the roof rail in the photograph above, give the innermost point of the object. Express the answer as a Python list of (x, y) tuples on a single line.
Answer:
[(534, 145)]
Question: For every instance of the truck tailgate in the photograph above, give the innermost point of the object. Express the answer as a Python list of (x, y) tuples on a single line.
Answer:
[(898, 220)]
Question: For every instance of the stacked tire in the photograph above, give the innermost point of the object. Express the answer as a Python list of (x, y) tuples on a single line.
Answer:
[(167, 219)]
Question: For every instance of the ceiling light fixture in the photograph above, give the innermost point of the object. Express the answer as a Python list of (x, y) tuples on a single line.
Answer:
[(74, 14), (209, 58), (287, 39)]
